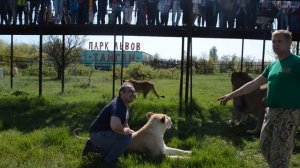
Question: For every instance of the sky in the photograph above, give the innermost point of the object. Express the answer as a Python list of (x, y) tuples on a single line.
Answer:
[(170, 47)]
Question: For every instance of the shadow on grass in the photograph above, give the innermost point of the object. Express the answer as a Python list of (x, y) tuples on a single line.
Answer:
[(26, 114), (213, 122), (297, 146), (96, 160), (93, 161)]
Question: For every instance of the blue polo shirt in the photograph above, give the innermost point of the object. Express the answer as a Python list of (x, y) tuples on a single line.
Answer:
[(115, 108)]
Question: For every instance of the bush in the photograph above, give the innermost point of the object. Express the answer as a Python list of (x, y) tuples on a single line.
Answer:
[(19, 93), (22, 65), (33, 70), (118, 71), (139, 71), (78, 70), (170, 73), (204, 67), (6, 70)]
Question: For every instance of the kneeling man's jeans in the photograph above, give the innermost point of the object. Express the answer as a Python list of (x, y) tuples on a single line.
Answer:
[(111, 144)]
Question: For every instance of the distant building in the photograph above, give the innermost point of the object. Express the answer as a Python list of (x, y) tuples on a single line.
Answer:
[(104, 59)]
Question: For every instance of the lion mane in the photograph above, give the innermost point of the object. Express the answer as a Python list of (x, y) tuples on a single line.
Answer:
[(252, 103)]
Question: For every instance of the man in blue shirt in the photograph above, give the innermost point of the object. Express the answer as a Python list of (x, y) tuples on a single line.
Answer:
[(110, 131)]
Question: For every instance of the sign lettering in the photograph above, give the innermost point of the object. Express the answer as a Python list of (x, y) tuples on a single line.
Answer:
[(127, 46), (106, 58)]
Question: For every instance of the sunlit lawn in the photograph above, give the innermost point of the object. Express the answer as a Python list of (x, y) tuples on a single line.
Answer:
[(37, 132)]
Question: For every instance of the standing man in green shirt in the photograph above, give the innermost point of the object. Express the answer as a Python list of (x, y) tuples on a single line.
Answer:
[(283, 101)]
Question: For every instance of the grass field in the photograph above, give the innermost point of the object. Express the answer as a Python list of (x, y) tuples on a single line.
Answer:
[(37, 132)]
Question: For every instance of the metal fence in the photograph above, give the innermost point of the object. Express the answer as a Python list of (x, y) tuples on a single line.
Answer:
[(199, 67)]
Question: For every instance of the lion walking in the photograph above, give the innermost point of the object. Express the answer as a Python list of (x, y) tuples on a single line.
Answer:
[(144, 87)]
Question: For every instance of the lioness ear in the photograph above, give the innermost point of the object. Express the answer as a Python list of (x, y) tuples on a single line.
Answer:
[(149, 114), (163, 119)]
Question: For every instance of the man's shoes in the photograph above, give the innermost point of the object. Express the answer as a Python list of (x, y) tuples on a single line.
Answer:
[(87, 148)]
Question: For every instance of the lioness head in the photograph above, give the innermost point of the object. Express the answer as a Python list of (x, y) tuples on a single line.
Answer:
[(161, 120)]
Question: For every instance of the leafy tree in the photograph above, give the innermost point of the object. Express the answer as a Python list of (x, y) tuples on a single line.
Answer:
[(4, 53), (3, 47), (224, 63), (24, 54), (20, 49), (249, 64), (228, 63), (233, 63), (53, 49), (213, 55), (156, 56), (212, 59)]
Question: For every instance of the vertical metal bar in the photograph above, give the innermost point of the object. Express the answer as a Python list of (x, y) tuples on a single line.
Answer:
[(263, 57), (189, 39), (114, 67), (191, 76), (242, 56), (181, 77), (40, 65), (187, 110), (11, 60), (122, 60), (63, 65)]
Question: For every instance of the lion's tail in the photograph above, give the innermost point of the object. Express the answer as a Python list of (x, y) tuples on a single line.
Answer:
[(75, 133), (156, 94)]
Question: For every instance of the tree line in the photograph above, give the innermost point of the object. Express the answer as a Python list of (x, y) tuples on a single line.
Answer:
[(54, 54), (27, 54)]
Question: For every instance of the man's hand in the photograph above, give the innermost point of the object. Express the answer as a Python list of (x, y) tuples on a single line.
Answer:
[(116, 126), (128, 131), (223, 100)]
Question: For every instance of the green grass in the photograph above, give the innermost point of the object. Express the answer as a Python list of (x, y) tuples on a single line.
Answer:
[(37, 132)]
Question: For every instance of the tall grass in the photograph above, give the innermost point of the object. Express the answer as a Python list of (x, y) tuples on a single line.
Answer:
[(37, 132)]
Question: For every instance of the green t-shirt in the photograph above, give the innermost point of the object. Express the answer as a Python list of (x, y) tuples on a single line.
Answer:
[(283, 83)]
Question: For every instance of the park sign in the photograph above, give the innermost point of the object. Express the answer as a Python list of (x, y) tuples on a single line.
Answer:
[(127, 46), (104, 59)]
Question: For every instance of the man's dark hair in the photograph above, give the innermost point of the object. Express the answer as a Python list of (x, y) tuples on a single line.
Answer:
[(124, 86)]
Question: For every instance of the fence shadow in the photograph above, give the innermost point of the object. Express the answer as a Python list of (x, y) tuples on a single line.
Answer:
[(27, 114)]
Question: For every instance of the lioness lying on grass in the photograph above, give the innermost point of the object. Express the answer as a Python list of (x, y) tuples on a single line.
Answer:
[(149, 139)]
